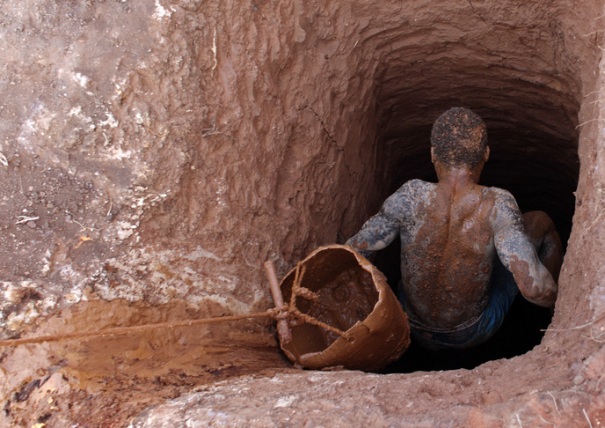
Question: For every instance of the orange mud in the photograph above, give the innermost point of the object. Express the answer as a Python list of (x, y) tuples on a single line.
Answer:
[(89, 380)]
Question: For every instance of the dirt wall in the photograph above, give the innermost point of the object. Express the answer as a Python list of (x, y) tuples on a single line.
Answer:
[(158, 152)]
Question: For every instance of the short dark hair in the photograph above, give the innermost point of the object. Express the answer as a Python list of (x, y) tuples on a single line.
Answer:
[(459, 137)]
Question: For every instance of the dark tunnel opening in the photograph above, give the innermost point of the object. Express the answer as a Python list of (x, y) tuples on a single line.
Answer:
[(533, 155)]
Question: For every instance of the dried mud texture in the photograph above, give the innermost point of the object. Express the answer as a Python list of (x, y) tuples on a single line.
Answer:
[(156, 151)]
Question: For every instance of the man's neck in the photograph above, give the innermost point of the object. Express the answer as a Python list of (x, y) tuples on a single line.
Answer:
[(458, 176)]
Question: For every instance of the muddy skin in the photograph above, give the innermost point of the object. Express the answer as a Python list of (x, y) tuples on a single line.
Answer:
[(450, 232), (449, 240), (447, 248), (541, 230)]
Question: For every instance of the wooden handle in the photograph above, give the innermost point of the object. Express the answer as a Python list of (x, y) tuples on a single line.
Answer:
[(283, 328)]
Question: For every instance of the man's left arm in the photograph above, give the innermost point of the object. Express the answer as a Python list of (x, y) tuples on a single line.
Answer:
[(519, 255)]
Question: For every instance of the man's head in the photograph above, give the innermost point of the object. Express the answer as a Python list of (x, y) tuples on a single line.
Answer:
[(459, 138)]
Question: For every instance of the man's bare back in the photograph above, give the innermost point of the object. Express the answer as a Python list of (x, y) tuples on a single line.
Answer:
[(447, 246), (452, 234)]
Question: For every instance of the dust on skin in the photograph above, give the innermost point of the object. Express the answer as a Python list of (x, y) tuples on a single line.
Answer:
[(545, 238), (531, 288), (448, 247), (454, 248), (529, 246), (521, 274), (451, 231), (449, 244)]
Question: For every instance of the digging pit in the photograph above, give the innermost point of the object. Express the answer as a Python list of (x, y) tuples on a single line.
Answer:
[(158, 152)]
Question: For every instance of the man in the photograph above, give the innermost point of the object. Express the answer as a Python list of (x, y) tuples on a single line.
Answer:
[(466, 249)]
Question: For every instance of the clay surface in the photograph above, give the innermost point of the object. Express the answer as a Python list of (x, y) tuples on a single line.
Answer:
[(159, 151), (104, 381)]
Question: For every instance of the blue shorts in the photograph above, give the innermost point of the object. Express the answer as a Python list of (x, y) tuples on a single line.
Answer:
[(503, 292)]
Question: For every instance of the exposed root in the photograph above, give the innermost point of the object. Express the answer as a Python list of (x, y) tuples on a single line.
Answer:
[(578, 327), (589, 121), (25, 219), (555, 401), (587, 418), (214, 50), (599, 382), (599, 338)]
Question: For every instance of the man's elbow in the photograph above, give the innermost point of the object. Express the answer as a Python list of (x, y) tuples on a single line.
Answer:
[(361, 249), (542, 293), (546, 300)]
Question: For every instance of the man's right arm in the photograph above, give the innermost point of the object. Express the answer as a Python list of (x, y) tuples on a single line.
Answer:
[(519, 255), (382, 229), (376, 233)]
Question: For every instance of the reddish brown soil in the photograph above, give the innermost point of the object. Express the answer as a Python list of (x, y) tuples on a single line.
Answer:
[(88, 380), (154, 153)]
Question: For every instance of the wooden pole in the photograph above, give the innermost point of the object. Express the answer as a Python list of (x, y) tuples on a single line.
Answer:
[(283, 328)]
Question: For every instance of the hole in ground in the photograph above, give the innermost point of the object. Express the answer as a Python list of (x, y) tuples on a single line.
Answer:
[(361, 108), (533, 140), (539, 167)]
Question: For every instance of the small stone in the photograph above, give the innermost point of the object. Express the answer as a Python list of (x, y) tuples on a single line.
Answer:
[(32, 224), (579, 379)]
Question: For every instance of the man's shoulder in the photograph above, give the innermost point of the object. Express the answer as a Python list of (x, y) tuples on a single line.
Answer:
[(416, 186), (407, 198), (414, 191), (506, 210), (501, 197)]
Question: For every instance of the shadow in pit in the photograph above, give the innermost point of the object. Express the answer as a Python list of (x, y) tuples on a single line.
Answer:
[(522, 329), (520, 333)]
